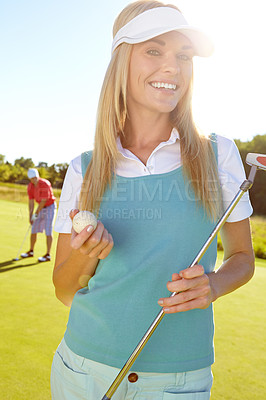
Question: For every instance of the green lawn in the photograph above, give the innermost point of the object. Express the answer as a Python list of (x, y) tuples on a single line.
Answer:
[(32, 319), (33, 322)]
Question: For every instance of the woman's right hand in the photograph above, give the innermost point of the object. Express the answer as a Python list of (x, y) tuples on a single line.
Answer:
[(95, 243)]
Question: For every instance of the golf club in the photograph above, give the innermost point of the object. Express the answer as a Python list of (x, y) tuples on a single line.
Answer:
[(22, 244), (256, 161)]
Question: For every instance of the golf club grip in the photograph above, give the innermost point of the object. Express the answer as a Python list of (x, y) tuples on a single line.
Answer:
[(245, 186)]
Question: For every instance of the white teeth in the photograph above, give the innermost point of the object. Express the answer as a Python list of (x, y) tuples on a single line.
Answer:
[(158, 85)]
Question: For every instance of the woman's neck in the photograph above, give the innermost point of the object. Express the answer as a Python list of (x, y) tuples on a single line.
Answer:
[(142, 136), (142, 127)]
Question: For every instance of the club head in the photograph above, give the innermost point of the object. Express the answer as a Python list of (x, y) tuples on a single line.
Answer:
[(258, 160), (15, 259)]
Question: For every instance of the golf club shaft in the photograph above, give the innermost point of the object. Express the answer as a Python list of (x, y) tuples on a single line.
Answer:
[(22, 244), (246, 185)]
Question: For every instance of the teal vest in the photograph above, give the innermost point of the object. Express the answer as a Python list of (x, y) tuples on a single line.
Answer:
[(158, 227)]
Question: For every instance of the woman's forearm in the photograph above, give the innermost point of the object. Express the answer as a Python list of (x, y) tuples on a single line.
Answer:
[(233, 273), (77, 257), (238, 265), (72, 274)]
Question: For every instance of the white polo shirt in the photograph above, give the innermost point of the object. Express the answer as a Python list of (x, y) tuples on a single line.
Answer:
[(165, 158)]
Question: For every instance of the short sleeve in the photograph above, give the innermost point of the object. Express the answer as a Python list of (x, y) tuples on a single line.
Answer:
[(232, 174), (69, 196)]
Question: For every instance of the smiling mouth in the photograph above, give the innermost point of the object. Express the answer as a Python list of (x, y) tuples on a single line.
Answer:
[(163, 85)]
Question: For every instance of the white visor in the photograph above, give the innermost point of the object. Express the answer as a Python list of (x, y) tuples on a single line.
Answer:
[(157, 21)]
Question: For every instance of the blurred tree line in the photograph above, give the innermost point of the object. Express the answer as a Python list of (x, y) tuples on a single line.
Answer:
[(17, 172)]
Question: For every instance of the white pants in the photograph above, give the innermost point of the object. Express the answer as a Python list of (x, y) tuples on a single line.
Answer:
[(77, 378)]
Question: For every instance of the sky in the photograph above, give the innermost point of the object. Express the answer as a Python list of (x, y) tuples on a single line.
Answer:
[(54, 54)]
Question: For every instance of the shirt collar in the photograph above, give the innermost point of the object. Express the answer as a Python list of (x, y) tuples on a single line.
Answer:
[(174, 136), (126, 153)]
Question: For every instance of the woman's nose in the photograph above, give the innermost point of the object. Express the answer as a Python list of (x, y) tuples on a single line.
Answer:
[(171, 65)]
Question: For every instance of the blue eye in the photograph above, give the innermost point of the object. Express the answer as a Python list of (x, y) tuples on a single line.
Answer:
[(184, 57), (153, 52)]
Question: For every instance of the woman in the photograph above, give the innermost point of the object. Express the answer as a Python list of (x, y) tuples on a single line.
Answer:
[(158, 187)]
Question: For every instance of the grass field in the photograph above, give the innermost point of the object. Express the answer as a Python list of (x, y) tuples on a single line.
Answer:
[(33, 322)]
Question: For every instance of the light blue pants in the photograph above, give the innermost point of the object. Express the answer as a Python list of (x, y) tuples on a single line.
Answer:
[(45, 220), (77, 378)]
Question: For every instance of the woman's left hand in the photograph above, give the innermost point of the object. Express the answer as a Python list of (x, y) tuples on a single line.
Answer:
[(193, 291)]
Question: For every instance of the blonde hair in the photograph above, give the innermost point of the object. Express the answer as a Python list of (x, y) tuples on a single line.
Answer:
[(196, 150)]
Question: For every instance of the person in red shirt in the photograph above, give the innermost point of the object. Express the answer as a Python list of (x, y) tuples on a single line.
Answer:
[(40, 190)]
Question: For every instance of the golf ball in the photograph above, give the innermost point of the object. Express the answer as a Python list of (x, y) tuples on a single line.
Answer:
[(82, 219)]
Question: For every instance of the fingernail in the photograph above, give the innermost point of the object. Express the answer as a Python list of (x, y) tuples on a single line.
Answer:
[(90, 228), (160, 302), (166, 309)]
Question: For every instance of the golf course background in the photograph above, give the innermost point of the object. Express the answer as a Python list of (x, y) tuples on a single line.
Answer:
[(33, 321)]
